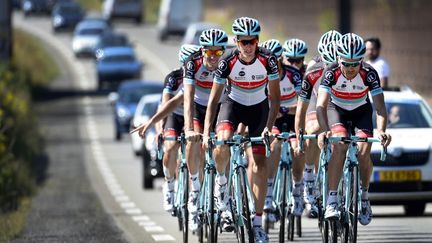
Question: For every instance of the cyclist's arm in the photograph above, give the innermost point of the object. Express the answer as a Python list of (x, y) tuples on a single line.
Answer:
[(274, 93), (381, 112), (300, 116), (214, 98), (189, 93), (167, 108), (321, 109)]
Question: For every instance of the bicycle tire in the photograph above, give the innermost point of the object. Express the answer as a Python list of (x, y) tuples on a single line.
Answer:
[(185, 212), (298, 226), (239, 229), (247, 213), (283, 206), (333, 231), (290, 227), (211, 211), (325, 231), (353, 214)]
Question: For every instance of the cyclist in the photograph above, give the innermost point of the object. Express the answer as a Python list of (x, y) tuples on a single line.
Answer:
[(294, 51), (198, 80), (305, 117), (343, 98), (173, 125), (276, 48), (247, 70)]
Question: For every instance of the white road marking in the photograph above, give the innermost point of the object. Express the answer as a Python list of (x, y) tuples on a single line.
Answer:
[(127, 205), (163, 238), (154, 228), (133, 211), (146, 223), (141, 218)]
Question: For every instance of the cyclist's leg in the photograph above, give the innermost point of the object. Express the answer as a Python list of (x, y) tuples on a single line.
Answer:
[(256, 119), (338, 126), (272, 165), (364, 128), (172, 128)]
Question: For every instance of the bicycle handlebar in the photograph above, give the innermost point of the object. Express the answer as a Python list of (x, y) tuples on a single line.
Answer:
[(239, 139)]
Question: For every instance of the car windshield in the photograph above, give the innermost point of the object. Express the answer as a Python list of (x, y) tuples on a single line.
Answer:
[(150, 108), (408, 115), (119, 58), (91, 31), (114, 41), (134, 94)]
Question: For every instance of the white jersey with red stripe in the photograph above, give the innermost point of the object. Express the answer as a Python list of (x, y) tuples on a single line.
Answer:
[(247, 82), (290, 85), (197, 74), (350, 94)]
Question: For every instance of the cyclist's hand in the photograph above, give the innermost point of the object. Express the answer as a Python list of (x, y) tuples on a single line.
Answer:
[(321, 137), (192, 136), (385, 139), (141, 129), (265, 131)]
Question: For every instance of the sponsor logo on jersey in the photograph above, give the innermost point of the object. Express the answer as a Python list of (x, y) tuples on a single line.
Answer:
[(329, 75), (371, 77), (241, 73), (305, 85), (223, 65), (190, 66), (296, 77), (272, 61)]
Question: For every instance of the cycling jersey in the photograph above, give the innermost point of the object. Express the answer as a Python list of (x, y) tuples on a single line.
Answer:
[(197, 74), (173, 84), (310, 82), (350, 94), (290, 85), (247, 82)]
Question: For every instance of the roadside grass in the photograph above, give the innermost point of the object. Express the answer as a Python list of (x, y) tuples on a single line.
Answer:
[(91, 5), (21, 144), (12, 223)]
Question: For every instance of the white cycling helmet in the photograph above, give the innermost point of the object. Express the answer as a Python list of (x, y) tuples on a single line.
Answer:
[(246, 26), (274, 46), (327, 37), (295, 48), (213, 37), (186, 51), (330, 53), (351, 46)]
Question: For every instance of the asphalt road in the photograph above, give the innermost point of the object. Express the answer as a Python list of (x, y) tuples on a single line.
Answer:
[(115, 173)]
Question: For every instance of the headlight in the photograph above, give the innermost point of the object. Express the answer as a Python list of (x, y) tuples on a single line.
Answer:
[(76, 45), (58, 20), (123, 113)]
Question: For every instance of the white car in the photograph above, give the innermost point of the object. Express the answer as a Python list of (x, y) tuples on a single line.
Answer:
[(405, 177), (86, 36), (146, 108)]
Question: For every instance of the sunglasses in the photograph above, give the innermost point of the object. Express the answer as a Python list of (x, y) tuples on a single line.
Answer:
[(248, 42), (350, 64), (209, 52)]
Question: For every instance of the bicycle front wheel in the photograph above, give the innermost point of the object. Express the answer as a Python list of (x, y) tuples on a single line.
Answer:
[(283, 204), (354, 206), (184, 209), (246, 214)]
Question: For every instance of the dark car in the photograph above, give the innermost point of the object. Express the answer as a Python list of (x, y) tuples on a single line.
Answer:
[(125, 102), (35, 6), (111, 39), (117, 64), (66, 15)]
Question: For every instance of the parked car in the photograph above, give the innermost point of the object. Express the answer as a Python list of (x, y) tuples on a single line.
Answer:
[(152, 166), (86, 36), (66, 15), (111, 39), (16, 4), (194, 31), (123, 9), (405, 177), (116, 64), (35, 6), (175, 16), (125, 100)]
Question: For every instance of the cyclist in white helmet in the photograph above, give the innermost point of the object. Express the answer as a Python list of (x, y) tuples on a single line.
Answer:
[(198, 81), (172, 107), (342, 99), (245, 72), (306, 112)]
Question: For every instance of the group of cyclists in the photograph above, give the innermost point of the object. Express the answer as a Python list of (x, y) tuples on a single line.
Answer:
[(265, 88)]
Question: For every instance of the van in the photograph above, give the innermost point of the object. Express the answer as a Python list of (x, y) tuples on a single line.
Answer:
[(123, 9), (176, 15)]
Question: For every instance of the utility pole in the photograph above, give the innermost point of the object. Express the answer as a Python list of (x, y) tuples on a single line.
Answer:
[(345, 16), (5, 31)]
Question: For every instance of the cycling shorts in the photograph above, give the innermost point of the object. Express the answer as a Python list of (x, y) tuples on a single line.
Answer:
[(360, 118), (173, 125), (254, 116), (200, 113)]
